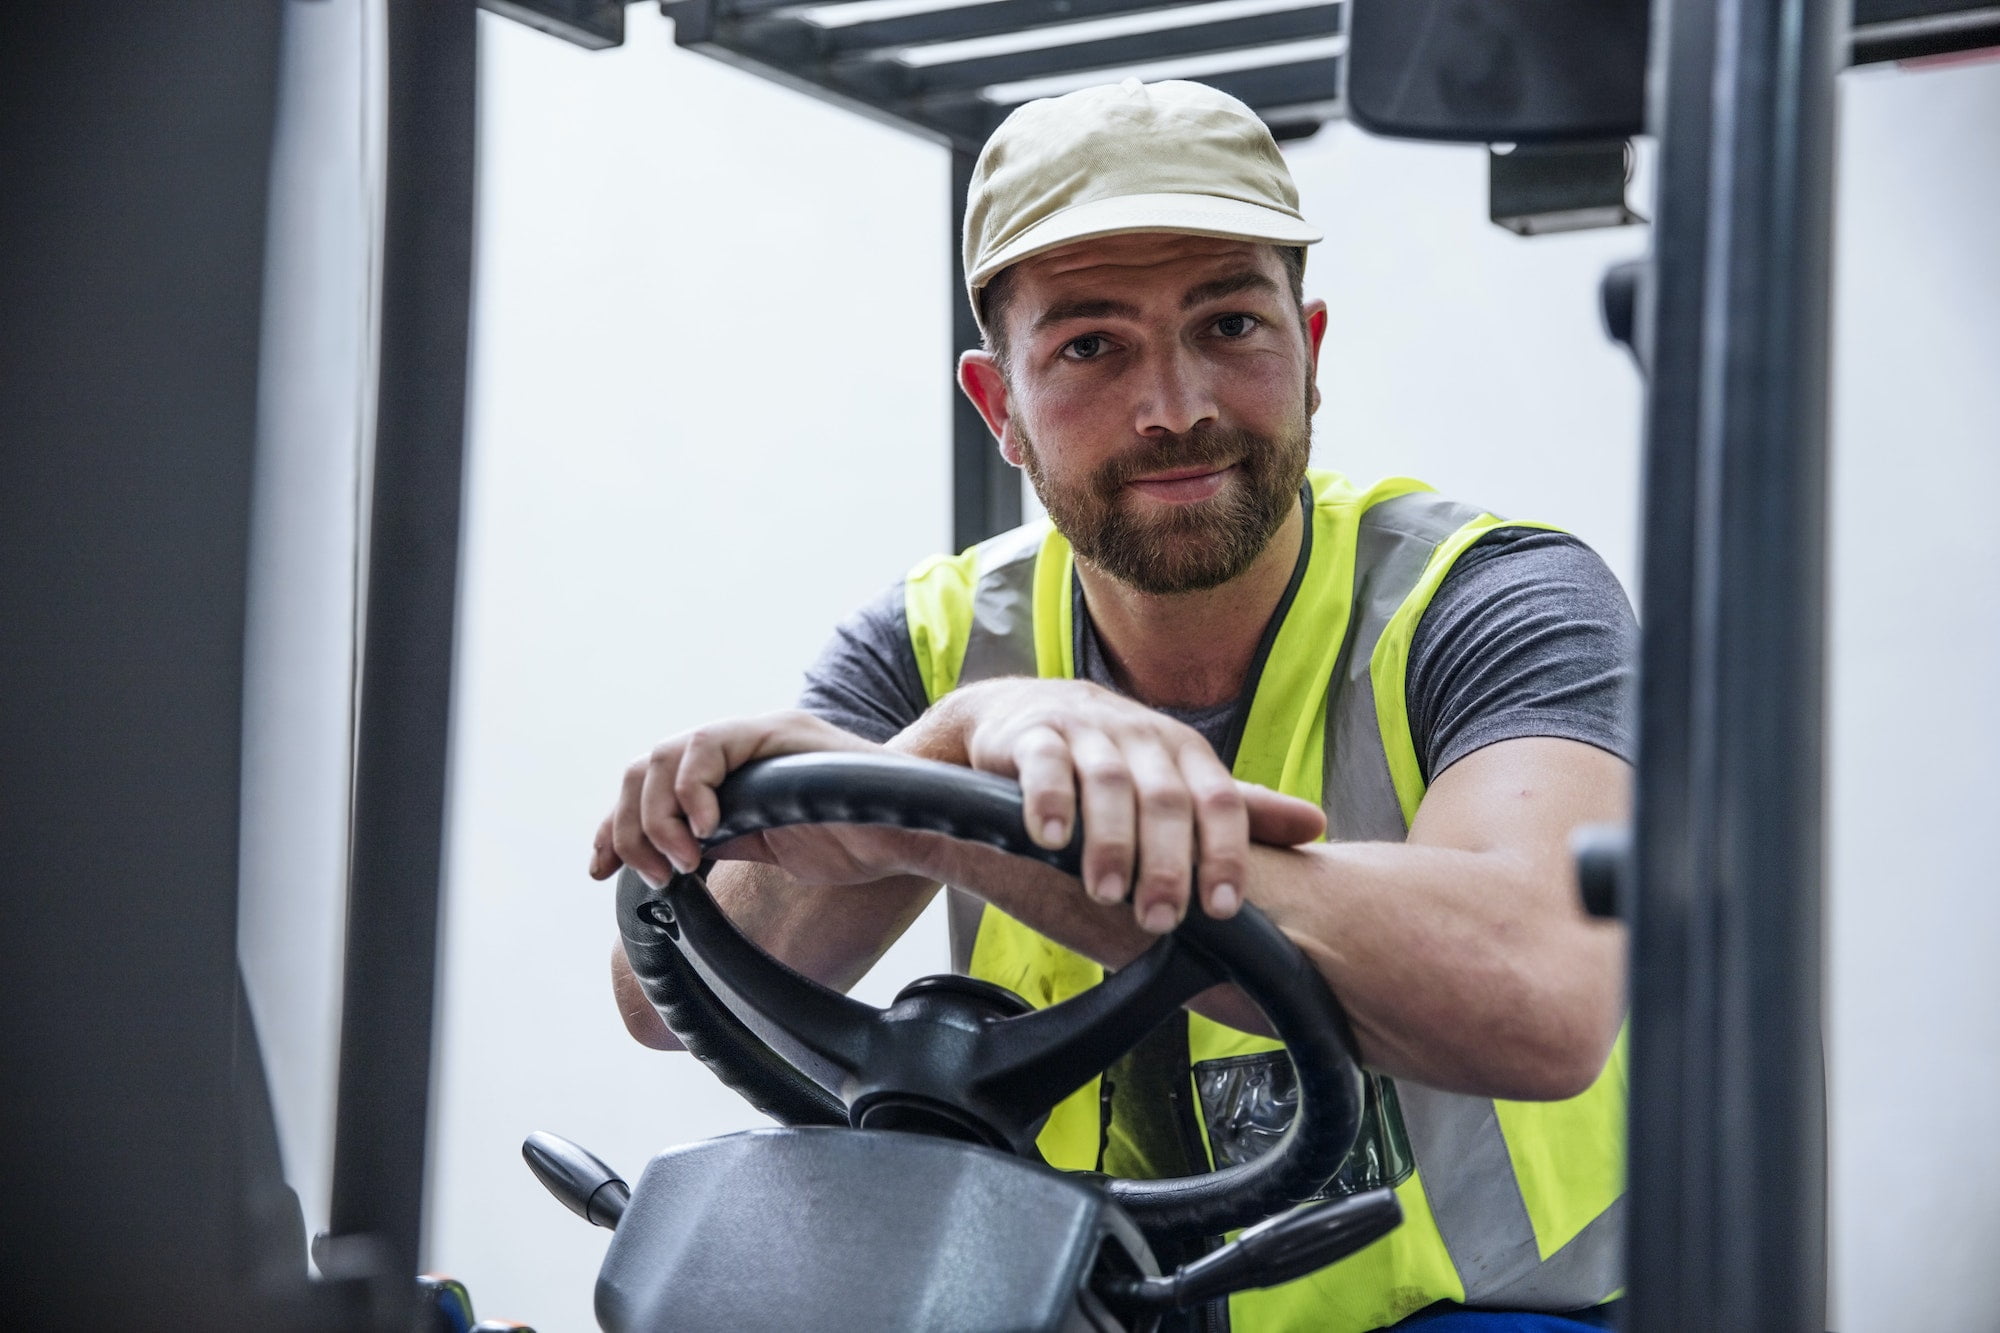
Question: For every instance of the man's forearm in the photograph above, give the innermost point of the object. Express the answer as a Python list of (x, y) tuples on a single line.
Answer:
[(832, 933), (1441, 987), (1447, 978)]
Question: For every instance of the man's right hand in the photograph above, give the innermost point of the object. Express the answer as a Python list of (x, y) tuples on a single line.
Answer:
[(666, 805)]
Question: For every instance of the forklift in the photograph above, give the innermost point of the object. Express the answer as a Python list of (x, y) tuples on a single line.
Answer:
[(146, 1191)]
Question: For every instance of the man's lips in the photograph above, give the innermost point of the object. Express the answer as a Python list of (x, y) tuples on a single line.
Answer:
[(1183, 485)]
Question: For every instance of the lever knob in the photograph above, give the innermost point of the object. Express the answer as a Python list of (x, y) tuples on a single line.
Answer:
[(587, 1187), (1603, 860), (1277, 1250)]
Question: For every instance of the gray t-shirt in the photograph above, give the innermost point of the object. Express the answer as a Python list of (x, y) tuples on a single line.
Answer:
[(1529, 635)]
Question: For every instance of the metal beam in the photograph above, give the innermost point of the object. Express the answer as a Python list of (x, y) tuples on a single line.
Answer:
[(593, 24), (893, 76), (988, 20), (868, 67), (405, 693), (137, 145), (748, 7), (1727, 1122), (1912, 36), (971, 117)]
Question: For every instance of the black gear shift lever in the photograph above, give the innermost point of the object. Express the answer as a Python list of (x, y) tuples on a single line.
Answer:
[(589, 1188)]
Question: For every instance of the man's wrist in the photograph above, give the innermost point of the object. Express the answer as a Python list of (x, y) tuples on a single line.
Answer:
[(940, 734)]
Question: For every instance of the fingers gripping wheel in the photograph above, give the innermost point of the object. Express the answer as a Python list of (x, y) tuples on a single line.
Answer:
[(959, 1057)]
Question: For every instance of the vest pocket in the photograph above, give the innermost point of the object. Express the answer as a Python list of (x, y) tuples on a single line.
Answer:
[(1248, 1101)]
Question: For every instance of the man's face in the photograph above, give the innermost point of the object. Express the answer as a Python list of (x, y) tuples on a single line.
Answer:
[(1159, 391)]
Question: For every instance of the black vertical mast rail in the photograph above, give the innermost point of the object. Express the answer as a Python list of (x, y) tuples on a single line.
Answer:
[(1728, 1140), (405, 691)]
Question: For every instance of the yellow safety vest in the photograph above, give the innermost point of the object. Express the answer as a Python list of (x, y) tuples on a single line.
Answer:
[(1515, 1205)]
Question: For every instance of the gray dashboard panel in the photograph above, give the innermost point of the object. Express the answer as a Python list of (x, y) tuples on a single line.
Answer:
[(831, 1229)]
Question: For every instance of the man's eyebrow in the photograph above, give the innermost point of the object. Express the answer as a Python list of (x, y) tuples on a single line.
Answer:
[(1105, 308), (1215, 290), (1063, 311)]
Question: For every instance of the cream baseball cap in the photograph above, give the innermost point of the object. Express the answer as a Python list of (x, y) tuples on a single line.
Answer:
[(1126, 157)]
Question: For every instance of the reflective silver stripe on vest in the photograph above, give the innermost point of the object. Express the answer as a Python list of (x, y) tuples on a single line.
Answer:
[(1001, 643), (1468, 1177), (1391, 549)]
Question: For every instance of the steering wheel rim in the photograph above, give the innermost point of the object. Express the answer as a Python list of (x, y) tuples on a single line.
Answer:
[(806, 1054)]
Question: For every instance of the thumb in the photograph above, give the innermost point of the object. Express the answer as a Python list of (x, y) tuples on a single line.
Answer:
[(603, 858), (1280, 820)]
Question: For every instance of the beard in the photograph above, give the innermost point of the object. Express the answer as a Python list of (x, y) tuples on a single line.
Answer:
[(1188, 548)]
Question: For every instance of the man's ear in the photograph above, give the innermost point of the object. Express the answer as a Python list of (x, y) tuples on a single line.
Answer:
[(1314, 312), (980, 376)]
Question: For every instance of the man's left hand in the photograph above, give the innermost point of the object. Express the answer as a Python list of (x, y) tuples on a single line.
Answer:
[(1162, 816)]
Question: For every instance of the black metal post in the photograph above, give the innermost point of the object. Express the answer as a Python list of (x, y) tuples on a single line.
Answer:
[(137, 151), (405, 697), (985, 489), (1727, 1128)]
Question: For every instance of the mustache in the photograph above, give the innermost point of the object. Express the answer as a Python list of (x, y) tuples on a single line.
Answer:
[(1215, 447)]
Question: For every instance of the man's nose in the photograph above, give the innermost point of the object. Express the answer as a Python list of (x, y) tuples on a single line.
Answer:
[(1174, 395)]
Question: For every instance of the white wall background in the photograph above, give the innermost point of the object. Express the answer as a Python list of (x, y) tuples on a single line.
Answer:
[(710, 415), (1914, 994)]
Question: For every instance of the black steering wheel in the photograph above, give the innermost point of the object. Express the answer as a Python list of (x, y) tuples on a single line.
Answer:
[(963, 1058)]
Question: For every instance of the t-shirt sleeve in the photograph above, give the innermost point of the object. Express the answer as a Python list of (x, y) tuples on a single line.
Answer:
[(866, 680), (1529, 635)]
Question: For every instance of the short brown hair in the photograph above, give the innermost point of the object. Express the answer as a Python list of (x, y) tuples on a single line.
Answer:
[(993, 297)]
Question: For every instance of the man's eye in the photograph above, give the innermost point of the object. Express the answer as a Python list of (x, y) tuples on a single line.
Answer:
[(1235, 326), (1084, 348)]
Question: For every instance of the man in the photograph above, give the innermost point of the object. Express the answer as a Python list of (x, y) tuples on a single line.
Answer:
[(1214, 654)]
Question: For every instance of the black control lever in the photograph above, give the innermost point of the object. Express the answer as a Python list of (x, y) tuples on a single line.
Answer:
[(1280, 1249), (1618, 303), (587, 1187), (1603, 868)]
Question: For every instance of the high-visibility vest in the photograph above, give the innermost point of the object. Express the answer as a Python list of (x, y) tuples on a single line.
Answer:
[(1506, 1204)]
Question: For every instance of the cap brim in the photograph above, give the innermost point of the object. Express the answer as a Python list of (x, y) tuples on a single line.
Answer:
[(1191, 214)]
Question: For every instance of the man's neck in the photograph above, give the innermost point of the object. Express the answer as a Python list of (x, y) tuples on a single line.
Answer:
[(1190, 650)]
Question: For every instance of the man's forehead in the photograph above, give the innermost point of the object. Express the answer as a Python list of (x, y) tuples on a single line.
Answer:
[(1142, 256)]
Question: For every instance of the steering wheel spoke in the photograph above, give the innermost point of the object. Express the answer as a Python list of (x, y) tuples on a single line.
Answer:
[(1032, 1062), (823, 1033)]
